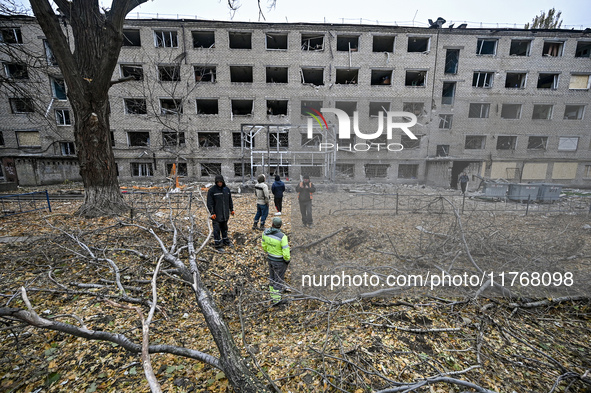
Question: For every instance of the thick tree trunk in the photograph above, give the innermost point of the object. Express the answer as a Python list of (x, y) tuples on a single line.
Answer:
[(97, 164)]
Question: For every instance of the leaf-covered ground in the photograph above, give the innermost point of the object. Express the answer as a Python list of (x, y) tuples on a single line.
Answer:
[(315, 343)]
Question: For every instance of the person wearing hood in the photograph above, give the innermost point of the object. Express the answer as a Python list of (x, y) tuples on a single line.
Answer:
[(277, 189), (261, 190), (220, 206), (275, 244)]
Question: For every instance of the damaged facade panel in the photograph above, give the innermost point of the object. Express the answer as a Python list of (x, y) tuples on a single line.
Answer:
[(312, 75)]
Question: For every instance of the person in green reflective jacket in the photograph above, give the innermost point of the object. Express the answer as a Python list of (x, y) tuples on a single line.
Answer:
[(275, 244)]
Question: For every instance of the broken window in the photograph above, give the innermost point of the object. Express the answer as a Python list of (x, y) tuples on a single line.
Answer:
[(138, 138), (408, 171), (166, 39), (505, 142), (49, 56), (553, 48), (243, 169), (135, 71), (475, 142), (579, 82), (181, 168), (568, 143), (314, 76), (237, 140), (240, 40), (574, 112), (537, 142), (415, 78), (452, 57), (205, 73), (445, 121), (515, 80), (58, 88), (408, 143), (448, 93), (345, 170), (279, 138), (311, 170), (21, 105), (418, 44), (10, 35), (348, 106), (170, 106), (276, 74), (276, 41), (308, 106), (346, 43), (376, 107), (383, 43), (141, 169), (548, 81), (16, 70), (482, 79), (135, 106), (28, 139), (315, 141), (173, 138), (208, 139), (381, 77), (203, 39), (583, 49), (1, 143), (277, 107), (312, 41), (112, 138), (417, 108), (242, 107), (478, 111), (376, 170), (511, 111), (347, 77), (241, 74), (169, 73), (442, 151), (519, 47), (131, 37), (542, 112), (587, 172), (486, 46), (67, 148), (207, 106), (62, 117)]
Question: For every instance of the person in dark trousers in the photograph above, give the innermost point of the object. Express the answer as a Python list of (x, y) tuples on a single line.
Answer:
[(463, 179), (275, 244), (305, 189), (220, 206), (277, 189), (261, 190)]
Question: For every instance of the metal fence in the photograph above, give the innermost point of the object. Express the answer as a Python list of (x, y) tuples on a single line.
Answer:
[(158, 203), (398, 203), (24, 203)]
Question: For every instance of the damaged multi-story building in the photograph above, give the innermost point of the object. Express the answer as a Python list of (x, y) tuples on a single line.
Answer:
[(235, 98)]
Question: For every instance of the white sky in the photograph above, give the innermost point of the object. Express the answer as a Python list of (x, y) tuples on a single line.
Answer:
[(506, 13)]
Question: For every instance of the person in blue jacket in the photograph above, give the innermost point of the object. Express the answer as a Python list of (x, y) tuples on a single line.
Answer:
[(277, 189)]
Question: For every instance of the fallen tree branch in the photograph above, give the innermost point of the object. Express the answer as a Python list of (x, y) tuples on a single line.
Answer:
[(317, 241), (407, 387)]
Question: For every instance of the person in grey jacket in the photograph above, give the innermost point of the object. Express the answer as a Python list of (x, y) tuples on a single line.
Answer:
[(261, 190), (305, 189)]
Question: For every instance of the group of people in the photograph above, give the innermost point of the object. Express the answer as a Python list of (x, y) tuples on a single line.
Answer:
[(274, 241)]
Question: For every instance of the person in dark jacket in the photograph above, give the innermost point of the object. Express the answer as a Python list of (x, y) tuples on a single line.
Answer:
[(305, 189), (463, 179), (277, 189), (220, 206)]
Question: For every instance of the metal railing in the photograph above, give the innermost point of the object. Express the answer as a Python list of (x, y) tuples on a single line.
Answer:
[(24, 203)]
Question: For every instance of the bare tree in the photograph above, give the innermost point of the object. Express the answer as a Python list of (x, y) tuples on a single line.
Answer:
[(551, 20)]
